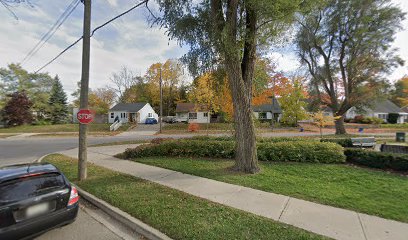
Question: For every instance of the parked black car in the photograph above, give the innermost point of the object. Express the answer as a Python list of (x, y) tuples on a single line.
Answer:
[(33, 199)]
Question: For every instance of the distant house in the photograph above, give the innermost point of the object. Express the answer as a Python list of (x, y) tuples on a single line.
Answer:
[(266, 111), (131, 112), (380, 109), (192, 113)]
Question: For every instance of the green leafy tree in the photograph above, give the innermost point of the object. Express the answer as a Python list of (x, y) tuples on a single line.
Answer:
[(226, 34), (346, 46), (292, 103), (18, 109), (37, 86), (400, 93), (99, 100), (58, 111)]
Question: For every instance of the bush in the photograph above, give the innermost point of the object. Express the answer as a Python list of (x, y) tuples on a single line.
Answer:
[(183, 148), (344, 142), (159, 140), (367, 120), (285, 139), (209, 138), (295, 151), (392, 118), (398, 162), (259, 140), (301, 151)]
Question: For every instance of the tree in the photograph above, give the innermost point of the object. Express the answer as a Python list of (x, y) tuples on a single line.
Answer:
[(100, 100), (138, 92), (58, 103), (346, 46), (37, 86), (321, 120), (18, 109), (293, 106), (9, 4), (122, 80), (226, 34), (400, 94), (171, 75)]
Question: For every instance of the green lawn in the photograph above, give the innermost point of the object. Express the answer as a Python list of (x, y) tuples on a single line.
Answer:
[(363, 190), (96, 127), (179, 215)]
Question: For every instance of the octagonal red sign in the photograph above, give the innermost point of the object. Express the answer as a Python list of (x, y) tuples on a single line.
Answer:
[(85, 116)]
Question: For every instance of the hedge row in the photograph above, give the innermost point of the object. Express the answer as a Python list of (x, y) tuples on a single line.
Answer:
[(301, 151), (295, 151), (183, 148), (398, 162), (259, 140), (344, 142)]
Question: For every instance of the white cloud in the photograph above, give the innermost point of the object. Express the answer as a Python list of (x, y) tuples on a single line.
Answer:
[(129, 41)]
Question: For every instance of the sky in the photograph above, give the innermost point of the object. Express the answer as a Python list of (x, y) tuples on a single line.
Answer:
[(129, 41)]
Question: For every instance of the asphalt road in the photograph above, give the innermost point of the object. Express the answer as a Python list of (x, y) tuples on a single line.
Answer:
[(13, 151), (90, 223)]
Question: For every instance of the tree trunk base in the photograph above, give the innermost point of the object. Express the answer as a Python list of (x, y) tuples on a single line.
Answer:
[(242, 169), (339, 124)]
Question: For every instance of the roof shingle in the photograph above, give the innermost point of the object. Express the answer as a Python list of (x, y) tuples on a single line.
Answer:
[(128, 107)]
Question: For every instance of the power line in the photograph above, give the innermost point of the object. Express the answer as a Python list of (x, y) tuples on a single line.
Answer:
[(96, 29), (44, 39)]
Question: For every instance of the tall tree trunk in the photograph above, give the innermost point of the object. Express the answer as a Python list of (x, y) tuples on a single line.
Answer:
[(339, 123), (246, 159), (240, 76)]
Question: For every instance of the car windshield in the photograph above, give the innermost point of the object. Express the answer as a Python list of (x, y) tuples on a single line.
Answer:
[(19, 189)]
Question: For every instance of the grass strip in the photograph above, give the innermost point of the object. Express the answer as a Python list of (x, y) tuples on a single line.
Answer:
[(177, 214), (363, 190)]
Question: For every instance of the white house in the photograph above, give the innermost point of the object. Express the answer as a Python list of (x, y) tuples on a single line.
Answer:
[(192, 113), (131, 112), (380, 109), (265, 111)]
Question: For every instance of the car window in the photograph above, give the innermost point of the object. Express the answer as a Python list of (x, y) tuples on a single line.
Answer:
[(22, 188)]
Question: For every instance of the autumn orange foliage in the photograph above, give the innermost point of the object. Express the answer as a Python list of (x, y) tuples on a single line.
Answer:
[(193, 127)]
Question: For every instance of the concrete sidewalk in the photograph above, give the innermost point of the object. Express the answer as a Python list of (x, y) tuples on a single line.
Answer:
[(325, 220)]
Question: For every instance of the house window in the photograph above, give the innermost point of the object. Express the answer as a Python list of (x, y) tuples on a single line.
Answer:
[(262, 115), (112, 115), (192, 115), (383, 116), (150, 115), (206, 114)]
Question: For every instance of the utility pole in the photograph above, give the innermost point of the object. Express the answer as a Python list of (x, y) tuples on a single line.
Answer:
[(83, 128), (161, 100)]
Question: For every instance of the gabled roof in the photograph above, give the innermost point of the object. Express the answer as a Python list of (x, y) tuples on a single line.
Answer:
[(386, 106), (268, 107), (127, 107), (405, 109), (191, 107)]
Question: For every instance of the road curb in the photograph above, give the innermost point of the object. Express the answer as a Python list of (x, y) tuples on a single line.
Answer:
[(119, 215), (123, 217), (41, 158)]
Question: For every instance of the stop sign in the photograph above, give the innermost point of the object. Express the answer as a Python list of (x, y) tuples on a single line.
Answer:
[(85, 116)]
